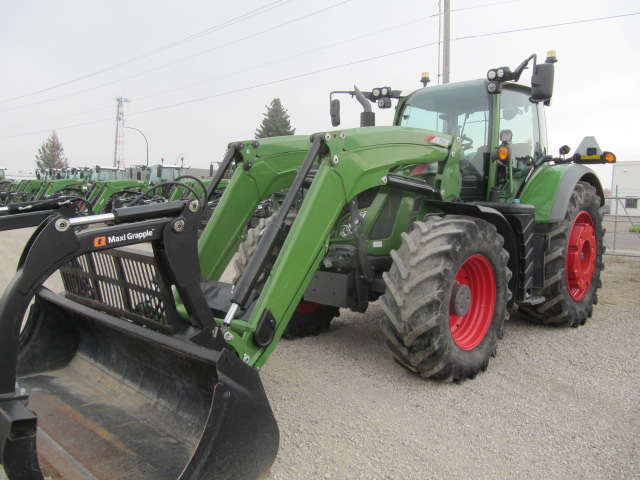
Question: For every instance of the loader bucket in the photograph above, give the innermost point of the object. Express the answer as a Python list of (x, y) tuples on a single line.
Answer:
[(114, 404), (106, 397)]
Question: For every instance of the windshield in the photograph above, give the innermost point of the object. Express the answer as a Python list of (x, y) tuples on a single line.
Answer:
[(460, 109), (105, 175), (171, 173)]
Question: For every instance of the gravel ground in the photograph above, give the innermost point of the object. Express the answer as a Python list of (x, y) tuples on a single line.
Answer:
[(554, 403)]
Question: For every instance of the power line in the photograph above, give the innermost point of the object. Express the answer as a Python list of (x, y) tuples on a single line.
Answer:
[(325, 69), (484, 5), (291, 57), (219, 47), (564, 24), (63, 117), (254, 67), (220, 26)]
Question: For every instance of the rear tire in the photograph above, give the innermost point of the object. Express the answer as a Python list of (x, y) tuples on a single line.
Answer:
[(573, 263), (309, 318), (446, 299)]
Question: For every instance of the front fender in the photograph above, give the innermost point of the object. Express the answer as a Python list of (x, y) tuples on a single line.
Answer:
[(550, 188)]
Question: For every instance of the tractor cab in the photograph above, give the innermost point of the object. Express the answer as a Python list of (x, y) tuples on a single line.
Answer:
[(499, 124), (166, 173), (108, 174), (83, 173), (483, 122)]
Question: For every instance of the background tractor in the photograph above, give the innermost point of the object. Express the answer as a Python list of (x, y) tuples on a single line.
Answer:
[(109, 188), (452, 217)]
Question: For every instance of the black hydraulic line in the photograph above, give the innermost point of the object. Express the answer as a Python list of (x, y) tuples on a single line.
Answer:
[(256, 264), (191, 177), (157, 186)]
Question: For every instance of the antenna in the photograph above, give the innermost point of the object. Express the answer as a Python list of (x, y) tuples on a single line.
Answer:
[(118, 155)]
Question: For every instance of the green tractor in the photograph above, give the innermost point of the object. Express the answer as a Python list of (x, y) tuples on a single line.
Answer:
[(166, 182), (452, 217), (110, 189), (171, 182), (59, 182), (25, 188), (49, 183), (5, 183)]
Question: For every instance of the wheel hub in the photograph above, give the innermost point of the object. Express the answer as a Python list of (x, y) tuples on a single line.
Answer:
[(472, 302), (581, 256), (460, 299)]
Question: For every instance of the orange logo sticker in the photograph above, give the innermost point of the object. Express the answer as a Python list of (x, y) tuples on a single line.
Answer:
[(100, 241)]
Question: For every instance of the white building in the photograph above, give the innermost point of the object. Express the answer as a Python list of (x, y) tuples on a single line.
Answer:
[(625, 186)]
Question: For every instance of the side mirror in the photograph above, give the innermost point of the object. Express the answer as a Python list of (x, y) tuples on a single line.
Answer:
[(159, 172), (97, 168), (335, 112), (542, 83)]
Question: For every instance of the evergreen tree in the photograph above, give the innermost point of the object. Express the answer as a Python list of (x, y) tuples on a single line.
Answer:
[(51, 154), (275, 122)]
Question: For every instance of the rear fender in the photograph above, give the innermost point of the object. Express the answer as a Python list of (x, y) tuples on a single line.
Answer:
[(549, 190)]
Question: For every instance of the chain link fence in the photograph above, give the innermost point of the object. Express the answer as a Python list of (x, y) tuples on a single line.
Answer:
[(623, 227)]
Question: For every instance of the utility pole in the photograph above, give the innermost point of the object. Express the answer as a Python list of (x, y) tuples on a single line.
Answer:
[(118, 155), (446, 41)]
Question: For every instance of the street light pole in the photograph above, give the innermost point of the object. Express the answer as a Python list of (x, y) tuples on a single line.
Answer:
[(145, 139)]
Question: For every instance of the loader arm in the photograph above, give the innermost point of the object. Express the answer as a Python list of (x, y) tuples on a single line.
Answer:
[(351, 162), (264, 169)]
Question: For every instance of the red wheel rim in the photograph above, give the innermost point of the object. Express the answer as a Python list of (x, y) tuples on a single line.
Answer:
[(475, 288), (581, 256)]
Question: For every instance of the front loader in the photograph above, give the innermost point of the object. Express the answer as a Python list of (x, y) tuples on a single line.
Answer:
[(147, 365)]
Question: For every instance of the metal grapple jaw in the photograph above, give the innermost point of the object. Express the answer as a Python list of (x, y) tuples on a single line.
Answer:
[(114, 397)]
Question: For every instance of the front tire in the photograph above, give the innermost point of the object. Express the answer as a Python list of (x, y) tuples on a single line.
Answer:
[(310, 318), (573, 263), (446, 299)]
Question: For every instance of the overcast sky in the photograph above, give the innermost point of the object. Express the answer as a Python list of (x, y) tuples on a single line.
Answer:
[(199, 73)]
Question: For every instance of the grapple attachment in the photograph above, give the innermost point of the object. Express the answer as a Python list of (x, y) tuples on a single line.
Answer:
[(116, 397)]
